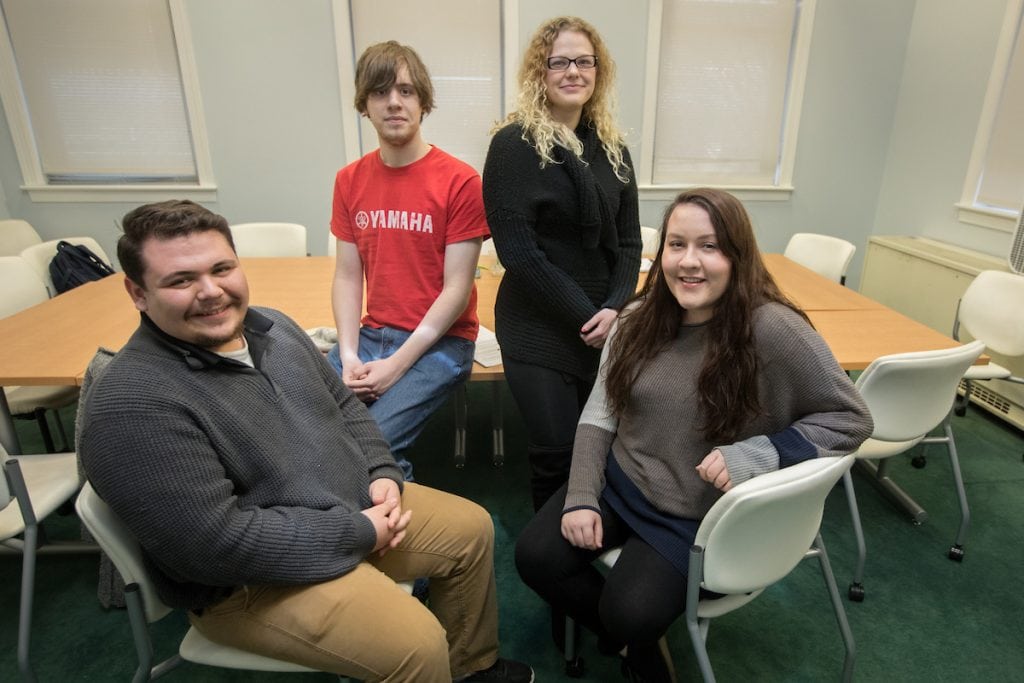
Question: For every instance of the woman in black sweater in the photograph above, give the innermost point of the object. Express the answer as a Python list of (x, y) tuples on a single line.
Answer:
[(561, 203)]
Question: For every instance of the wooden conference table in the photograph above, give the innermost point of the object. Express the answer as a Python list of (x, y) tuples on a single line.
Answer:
[(53, 342)]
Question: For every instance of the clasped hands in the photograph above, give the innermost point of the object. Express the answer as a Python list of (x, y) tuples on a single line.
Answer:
[(582, 528), (386, 514), (368, 381)]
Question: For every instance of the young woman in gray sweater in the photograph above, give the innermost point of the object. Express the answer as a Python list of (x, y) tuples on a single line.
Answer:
[(710, 377)]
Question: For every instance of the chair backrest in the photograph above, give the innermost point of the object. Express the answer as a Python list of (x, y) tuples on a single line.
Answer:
[(826, 255), (757, 532), (269, 239), (22, 286), (16, 235), (649, 238), (909, 394), (121, 547), (40, 255), (991, 310)]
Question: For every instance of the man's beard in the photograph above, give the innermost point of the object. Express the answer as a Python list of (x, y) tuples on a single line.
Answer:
[(211, 342)]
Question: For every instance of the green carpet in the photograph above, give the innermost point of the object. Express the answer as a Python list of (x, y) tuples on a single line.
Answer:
[(925, 618)]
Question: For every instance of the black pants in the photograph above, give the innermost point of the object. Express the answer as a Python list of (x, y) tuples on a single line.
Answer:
[(635, 602), (550, 403)]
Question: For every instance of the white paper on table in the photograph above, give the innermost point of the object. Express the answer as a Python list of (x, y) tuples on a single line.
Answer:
[(487, 352)]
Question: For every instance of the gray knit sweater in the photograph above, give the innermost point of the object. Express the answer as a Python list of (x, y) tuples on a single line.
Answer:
[(231, 475), (812, 410)]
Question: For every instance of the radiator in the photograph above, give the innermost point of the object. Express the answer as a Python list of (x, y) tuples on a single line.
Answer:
[(923, 279)]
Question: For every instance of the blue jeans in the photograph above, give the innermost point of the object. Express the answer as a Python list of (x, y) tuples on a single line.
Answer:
[(403, 410)]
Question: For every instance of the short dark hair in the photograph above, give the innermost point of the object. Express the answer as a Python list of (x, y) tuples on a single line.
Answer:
[(163, 221), (377, 69)]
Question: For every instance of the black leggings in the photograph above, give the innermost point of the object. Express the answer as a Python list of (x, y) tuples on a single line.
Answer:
[(635, 602), (550, 403)]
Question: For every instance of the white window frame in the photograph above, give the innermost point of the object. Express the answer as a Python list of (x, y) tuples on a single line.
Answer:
[(967, 210), (346, 56), (791, 118), (34, 180)]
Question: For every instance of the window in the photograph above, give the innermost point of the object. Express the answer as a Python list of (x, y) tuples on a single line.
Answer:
[(994, 188), (102, 100), (723, 93), (460, 41)]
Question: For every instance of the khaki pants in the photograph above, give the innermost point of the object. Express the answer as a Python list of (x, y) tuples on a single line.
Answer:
[(365, 626)]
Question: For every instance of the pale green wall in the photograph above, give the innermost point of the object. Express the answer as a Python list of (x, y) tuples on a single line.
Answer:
[(951, 48)]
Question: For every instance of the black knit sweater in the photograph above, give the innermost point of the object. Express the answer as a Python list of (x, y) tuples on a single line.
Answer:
[(566, 256)]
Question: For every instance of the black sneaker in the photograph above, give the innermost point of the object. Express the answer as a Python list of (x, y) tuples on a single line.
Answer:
[(502, 671)]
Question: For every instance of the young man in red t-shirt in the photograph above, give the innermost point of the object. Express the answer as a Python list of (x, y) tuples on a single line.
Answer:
[(409, 220)]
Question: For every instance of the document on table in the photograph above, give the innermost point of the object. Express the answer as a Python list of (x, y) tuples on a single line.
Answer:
[(487, 352)]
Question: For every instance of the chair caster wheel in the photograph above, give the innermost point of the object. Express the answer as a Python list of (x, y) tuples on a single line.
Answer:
[(956, 553), (574, 668), (960, 411), (919, 462), (856, 592)]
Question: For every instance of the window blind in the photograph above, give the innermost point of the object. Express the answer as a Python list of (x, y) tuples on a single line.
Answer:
[(103, 88), (723, 79), (460, 42), (1001, 184)]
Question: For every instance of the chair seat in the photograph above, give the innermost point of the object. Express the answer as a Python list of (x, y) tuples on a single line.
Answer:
[(990, 371), (196, 647), (709, 609), (873, 449), (50, 479), (27, 399)]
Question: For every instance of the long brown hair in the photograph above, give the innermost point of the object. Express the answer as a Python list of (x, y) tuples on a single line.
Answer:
[(727, 385)]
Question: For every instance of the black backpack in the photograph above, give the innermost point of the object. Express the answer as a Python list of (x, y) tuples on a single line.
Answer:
[(76, 264)]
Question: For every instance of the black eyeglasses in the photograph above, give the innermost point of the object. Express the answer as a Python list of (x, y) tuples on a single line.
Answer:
[(581, 62)]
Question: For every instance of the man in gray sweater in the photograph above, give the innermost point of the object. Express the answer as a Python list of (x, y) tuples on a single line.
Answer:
[(264, 498)]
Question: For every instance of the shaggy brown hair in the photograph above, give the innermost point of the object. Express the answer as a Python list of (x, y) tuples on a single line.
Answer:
[(377, 69)]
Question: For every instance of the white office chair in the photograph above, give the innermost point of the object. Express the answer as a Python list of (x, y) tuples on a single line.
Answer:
[(145, 607), (40, 255), (332, 244), (31, 489), (16, 235), (23, 289), (828, 256), (752, 537), (650, 238), (909, 395), (990, 311), (269, 239)]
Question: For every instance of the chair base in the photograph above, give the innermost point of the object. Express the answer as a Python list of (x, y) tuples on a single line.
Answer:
[(891, 490)]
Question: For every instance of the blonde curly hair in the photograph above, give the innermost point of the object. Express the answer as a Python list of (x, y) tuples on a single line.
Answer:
[(533, 112)]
